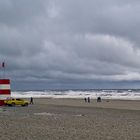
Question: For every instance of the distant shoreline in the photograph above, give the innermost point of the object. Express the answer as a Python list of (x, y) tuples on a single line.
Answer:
[(80, 98), (79, 94)]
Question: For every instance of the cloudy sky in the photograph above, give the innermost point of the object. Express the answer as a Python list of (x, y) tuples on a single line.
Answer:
[(50, 44)]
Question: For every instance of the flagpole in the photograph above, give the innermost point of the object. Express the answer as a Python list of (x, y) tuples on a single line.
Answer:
[(3, 66)]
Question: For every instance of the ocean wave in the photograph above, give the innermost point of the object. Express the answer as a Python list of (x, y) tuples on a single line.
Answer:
[(93, 94)]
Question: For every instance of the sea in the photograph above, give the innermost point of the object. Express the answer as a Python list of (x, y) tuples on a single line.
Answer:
[(122, 94)]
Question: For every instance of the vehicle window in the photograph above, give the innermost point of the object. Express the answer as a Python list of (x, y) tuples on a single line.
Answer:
[(18, 99)]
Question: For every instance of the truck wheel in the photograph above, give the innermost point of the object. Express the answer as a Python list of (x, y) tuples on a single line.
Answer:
[(13, 104), (26, 104)]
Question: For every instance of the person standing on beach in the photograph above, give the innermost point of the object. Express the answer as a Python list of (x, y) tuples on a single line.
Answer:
[(99, 99), (88, 100), (85, 100), (31, 100)]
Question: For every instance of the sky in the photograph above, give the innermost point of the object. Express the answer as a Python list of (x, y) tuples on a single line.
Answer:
[(70, 44)]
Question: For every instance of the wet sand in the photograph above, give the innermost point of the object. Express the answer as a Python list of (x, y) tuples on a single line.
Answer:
[(71, 119)]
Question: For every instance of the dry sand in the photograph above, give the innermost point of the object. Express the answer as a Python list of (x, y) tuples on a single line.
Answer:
[(71, 119)]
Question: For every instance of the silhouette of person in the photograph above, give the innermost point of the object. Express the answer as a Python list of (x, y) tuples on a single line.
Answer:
[(31, 100), (85, 100), (99, 99), (88, 100)]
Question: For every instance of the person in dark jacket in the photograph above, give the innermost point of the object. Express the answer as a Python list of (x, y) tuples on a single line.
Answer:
[(31, 100), (85, 100), (99, 99), (88, 100)]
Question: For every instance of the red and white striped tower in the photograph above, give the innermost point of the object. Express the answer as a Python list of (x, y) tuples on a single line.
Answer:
[(5, 90)]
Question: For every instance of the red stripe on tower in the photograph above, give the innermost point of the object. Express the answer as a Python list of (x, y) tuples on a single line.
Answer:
[(5, 92), (4, 81)]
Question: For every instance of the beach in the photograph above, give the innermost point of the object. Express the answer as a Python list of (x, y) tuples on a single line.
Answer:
[(71, 119)]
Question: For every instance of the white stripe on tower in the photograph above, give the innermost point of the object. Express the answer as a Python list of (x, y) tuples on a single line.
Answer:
[(4, 86)]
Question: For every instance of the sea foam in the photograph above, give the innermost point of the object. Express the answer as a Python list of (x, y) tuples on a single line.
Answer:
[(93, 94)]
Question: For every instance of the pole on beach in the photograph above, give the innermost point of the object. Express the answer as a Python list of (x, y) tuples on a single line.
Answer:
[(2, 66)]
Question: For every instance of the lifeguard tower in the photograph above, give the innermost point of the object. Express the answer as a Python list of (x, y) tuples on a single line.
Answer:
[(5, 91)]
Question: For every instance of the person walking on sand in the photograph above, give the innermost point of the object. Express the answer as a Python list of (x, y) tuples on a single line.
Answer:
[(85, 100), (88, 100), (31, 100)]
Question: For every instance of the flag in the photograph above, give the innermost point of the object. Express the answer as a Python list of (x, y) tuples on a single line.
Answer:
[(3, 64)]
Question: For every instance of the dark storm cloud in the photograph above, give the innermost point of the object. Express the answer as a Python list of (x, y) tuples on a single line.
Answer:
[(65, 40)]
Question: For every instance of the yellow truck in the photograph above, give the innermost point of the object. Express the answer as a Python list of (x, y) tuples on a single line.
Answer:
[(16, 101)]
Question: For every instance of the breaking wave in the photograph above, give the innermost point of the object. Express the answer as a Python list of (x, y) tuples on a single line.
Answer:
[(93, 94)]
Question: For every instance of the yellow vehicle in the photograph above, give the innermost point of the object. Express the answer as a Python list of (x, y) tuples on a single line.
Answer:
[(16, 101)]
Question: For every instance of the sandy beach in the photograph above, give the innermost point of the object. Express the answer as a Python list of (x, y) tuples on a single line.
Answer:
[(71, 119)]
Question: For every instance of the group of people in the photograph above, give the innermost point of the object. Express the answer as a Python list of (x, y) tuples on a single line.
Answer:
[(87, 100)]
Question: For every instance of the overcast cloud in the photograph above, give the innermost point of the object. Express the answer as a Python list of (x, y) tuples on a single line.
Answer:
[(70, 43)]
